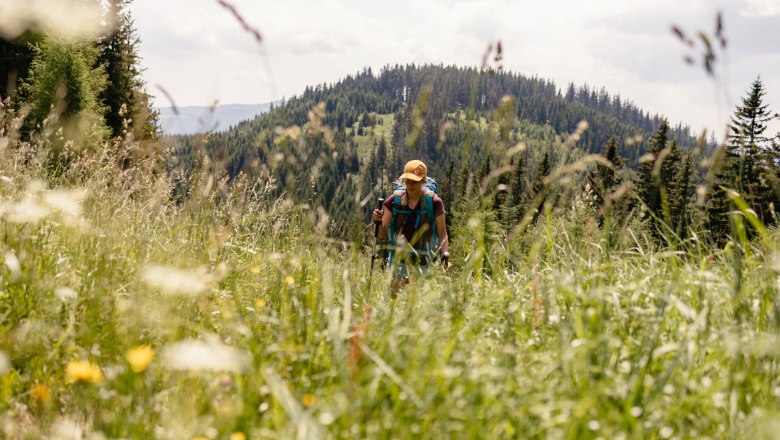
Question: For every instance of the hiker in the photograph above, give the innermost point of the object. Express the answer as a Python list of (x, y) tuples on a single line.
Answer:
[(415, 225)]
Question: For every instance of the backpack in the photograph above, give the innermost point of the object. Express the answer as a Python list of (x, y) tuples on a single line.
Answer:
[(430, 188)]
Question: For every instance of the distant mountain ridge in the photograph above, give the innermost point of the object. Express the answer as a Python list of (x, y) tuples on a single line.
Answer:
[(200, 119)]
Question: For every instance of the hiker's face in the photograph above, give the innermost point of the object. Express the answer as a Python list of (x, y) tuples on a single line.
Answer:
[(413, 188)]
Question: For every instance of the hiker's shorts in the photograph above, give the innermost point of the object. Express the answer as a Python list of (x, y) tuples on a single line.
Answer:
[(402, 267)]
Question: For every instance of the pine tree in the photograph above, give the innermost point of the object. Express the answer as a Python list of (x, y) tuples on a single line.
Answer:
[(517, 183), (464, 182), (542, 171), (603, 179), (62, 89), (484, 170), (683, 191), (128, 106), (648, 188), (538, 186), (751, 149), (748, 166)]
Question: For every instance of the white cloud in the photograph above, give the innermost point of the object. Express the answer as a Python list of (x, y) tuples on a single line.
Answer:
[(761, 8)]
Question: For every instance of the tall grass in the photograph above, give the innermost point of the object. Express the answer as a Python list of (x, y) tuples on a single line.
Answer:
[(251, 323)]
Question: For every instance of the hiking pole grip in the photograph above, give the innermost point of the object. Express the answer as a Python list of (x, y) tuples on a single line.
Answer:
[(373, 249), (380, 204), (376, 232)]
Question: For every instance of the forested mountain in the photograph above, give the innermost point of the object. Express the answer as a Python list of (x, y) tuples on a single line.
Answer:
[(333, 143)]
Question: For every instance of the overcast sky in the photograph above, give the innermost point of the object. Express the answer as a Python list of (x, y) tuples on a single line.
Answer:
[(198, 52)]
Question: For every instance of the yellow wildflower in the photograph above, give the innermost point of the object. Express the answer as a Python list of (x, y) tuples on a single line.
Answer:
[(83, 371), (309, 400), (289, 280), (260, 303), (139, 358), (255, 270), (41, 393), (238, 436)]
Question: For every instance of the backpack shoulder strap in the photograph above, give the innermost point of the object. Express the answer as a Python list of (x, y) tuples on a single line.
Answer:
[(399, 199), (396, 207), (428, 207)]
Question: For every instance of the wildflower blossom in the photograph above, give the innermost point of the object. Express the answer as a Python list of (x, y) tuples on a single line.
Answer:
[(139, 358), (66, 294), (68, 202), (173, 281), (193, 355), (13, 265), (83, 371), (41, 393), (5, 363)]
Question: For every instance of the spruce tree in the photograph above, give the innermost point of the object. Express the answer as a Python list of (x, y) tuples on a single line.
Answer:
[(751, 151), (63, 88), (542, 171), (748, 165), (128, 107), (517, 183), (648, 188), (602, 180), (683, 192)]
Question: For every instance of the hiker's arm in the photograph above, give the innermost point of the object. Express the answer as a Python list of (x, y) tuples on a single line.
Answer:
[(385, 216), (441, 227)]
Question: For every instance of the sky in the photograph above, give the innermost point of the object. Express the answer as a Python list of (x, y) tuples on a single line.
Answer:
[(198, 52)]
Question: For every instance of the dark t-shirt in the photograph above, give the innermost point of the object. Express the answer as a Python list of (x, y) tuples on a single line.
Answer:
[(405, 224)]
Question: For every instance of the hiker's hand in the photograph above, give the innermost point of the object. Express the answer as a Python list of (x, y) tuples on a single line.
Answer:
[(445, 261), (377, 215)]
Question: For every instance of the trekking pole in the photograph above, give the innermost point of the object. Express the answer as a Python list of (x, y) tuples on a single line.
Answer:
[(373, 248)]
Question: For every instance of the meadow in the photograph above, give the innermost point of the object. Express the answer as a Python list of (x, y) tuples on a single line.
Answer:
[(231, 314)]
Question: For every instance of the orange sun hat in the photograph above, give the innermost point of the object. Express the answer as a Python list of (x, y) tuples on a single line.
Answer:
[(414, 170)]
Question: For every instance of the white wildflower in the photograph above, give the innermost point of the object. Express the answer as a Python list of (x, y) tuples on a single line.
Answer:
[(68, 202), (66, 294), (173, 281), (28, 210), (5, 363), (67, 429), (13, 265), (194, 355)]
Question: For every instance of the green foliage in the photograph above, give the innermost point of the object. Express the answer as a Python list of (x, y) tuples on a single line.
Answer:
[(62, 93)]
